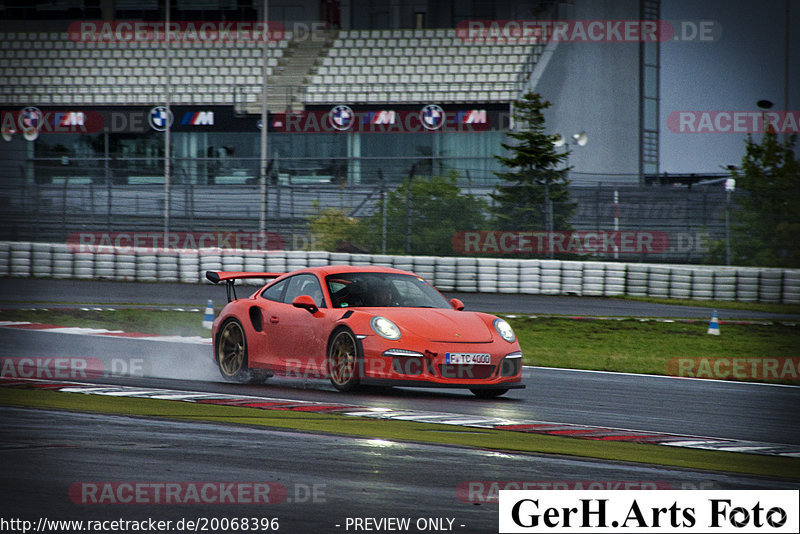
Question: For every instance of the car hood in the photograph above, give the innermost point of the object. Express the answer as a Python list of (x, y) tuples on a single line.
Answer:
[(439, 324)]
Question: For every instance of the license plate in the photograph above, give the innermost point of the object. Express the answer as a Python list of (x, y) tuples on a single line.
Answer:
[(462, 358)]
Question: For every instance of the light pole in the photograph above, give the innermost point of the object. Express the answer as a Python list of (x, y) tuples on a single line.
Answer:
[(262, 171), (730, 186), (579, 139)]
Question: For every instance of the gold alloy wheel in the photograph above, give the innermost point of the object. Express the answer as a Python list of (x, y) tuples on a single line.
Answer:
[(231, 350), (343, 360)]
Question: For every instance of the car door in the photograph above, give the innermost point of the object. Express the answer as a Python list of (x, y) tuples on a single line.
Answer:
[(298, 337)]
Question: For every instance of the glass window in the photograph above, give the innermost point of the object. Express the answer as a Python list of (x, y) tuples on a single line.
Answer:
[(304, 284), (275, 291), (383, 290)]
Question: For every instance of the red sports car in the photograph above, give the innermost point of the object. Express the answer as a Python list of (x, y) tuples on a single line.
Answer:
[(361, 326)]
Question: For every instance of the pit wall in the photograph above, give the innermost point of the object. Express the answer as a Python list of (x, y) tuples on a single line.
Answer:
[(467, 274)]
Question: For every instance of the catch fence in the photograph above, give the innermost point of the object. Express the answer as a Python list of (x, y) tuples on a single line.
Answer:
[(51, 200)]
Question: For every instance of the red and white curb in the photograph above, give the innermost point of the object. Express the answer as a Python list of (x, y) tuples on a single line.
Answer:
[(84, 331), (463, 420)]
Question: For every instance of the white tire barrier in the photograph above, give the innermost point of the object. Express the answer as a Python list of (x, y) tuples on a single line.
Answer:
[(530, 277), (276, 261), (769, 289), (41, 260), (318, 259), (466, 274), (146, 266), (637, 277), (593, 278), (508, 276), (425, 266), (725, 284), (571, 278), (791, 286), (615, 279), (703, 283), (445, 274), (486, 272), (189, 267), (20, 259), (680, 283), (167, 266), (747, 285), (62, 260), (550, 277), (488, 275), (5, 258)]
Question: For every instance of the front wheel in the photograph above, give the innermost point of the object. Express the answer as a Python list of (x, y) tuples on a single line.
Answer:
[(343, 360), (488, 393), (232, 355)]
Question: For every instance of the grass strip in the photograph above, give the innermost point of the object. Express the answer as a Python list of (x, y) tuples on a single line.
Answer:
[(650, 347), (503, 440), (765, 307)]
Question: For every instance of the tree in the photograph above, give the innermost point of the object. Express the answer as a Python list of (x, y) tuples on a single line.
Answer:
[(333, 229), (534, 193), (767, 221), (438, 210)]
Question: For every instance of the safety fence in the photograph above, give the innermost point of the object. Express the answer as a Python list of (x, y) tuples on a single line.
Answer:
[(484, 275)]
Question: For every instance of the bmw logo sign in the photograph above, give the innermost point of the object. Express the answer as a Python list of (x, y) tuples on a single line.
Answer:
[(341, 117), (30, 118), (432, 117), (158, 118)]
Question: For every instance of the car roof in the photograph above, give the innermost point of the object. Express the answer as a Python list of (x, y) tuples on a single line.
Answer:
[(326, 270)]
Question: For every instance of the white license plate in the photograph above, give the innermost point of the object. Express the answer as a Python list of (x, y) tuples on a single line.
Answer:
[(462, 358)]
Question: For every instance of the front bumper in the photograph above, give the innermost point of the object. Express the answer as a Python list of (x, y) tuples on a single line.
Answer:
[(425, 365)]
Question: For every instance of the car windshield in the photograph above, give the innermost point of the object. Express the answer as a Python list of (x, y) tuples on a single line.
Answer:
[(382, 290)]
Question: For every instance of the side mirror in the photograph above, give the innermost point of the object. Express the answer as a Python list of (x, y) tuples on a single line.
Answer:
[(305, 302), (457, 304)]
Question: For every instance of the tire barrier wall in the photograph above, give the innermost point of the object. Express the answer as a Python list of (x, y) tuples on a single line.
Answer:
[(468, 274)]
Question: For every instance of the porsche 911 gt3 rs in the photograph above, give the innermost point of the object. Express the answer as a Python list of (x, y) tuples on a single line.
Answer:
[(361, 325)]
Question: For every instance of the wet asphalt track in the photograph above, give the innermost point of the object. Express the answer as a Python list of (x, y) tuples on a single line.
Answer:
[(53, 450), (758, 412)]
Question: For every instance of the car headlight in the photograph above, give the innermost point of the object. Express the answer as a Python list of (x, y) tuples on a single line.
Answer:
[(505, 330), (385, 328)]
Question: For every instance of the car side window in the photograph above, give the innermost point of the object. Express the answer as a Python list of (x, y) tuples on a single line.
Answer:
[(304, 284), (275, 291)]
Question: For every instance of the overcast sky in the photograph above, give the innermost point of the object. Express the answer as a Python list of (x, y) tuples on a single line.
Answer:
[(739, 67)]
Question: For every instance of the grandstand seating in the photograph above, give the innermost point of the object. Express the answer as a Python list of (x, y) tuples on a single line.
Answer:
[(359, 66)]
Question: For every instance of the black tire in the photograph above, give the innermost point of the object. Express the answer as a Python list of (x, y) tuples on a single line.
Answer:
[(231, 355), (344, 359), (488, 393)]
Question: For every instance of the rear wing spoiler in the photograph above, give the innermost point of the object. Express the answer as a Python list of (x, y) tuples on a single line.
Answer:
[(230, 277)]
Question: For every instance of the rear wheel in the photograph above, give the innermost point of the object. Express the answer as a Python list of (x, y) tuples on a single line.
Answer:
[(488, 393), (232, 355), (343, 360)]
